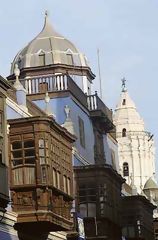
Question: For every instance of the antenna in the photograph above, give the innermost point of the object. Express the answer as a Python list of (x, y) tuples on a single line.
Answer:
[(100, 82)]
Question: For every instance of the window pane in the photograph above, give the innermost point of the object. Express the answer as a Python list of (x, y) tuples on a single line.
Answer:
[(17, 162), (29, 152), (30, 161), (17, 154), (29, 143), (16, 145)]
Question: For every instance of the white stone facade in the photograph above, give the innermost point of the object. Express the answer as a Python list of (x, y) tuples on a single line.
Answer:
[(135, 145)]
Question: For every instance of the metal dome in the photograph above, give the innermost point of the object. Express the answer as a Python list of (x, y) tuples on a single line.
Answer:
[(49, 47), (150, 184)]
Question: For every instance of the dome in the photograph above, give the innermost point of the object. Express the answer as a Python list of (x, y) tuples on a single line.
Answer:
[(49, 47), (150, 184)]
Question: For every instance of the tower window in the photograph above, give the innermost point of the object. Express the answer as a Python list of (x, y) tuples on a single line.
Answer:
[(125, 169), (42, 59), (124, 102), (124, 132), (70, 59)]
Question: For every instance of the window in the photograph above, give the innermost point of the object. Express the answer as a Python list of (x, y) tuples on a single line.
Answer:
[(124, 102), (68, 186), (125, 169), (58, 179), (42, 59), (43, 151), (43, 174), (54, 178), (70, 59), (124, 132), (23, 152), (81, 132), (64, 182)]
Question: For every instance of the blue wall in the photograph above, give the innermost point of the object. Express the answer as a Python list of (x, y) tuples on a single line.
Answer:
[(11, 113), (57, 107)]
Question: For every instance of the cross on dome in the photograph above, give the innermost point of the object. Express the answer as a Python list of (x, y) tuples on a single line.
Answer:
[(123, 84)]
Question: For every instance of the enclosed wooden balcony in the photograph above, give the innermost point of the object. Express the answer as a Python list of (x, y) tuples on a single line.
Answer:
[(41, 173)]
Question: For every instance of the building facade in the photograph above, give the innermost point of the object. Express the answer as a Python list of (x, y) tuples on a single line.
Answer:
[(135, 145), (49, 104)]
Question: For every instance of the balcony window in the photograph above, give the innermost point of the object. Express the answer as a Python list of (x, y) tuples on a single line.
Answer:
[(43, 151), (23, 152)]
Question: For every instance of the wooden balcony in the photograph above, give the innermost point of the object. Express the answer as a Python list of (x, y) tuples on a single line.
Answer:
[(41, 177)]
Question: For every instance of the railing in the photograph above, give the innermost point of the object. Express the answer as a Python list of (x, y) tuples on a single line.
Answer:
[(95, 103), (61, 82), (45, 83)]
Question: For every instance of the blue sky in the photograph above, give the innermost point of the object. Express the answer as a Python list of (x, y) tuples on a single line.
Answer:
[(125, 31)]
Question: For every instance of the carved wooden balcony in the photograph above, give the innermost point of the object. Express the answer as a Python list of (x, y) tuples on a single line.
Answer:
[(41, 173)]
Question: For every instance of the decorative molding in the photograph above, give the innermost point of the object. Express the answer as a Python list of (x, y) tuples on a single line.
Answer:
[(19, 109)]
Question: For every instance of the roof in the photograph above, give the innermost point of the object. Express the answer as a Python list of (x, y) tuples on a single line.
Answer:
[(150, 184), (127, 114), (55, 48)]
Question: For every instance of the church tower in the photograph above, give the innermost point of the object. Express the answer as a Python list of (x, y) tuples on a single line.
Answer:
[(135, 144)]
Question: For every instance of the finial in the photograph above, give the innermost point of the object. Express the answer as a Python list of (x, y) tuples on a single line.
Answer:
[(17, 83), (46, 13), (48, 106), (47, 98), (67, 111), (68, 124), (123, 84), (16, 71)]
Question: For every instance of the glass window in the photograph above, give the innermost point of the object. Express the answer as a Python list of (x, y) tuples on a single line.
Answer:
[(23, 152)]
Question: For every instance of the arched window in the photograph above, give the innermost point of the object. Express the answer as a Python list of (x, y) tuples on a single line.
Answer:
[(124, 102), (125, 169), (124, 132), (42, 59), (70, 59)]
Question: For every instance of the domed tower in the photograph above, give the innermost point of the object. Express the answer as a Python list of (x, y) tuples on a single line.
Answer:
[(135, 145), (51, 53)]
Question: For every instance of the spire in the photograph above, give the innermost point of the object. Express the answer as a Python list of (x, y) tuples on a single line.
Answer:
[(48, 30), (123, 84)]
